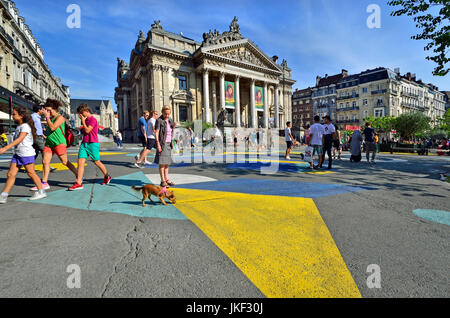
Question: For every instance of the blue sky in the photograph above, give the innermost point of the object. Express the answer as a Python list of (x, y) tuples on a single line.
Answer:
[(316, 37)]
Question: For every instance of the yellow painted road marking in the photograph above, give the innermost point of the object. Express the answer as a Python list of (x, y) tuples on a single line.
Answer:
[(58, 166), (281, 244), (105, 153)]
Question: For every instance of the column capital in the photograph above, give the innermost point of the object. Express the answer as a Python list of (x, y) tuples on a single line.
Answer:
[(237, 77), (205, 71)]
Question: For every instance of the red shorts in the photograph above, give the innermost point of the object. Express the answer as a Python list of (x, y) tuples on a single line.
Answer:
[(59, 150)]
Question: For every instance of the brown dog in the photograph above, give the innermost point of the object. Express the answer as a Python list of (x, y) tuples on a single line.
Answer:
[(159, 192)]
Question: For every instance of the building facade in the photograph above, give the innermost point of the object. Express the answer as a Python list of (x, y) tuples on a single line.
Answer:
[(382, 92), (324, 94), (24, 73), (302, 108), (101, 109), (225, 78), (446, 99)]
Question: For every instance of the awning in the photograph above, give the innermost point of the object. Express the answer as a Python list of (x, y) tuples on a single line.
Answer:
[(4, 116)]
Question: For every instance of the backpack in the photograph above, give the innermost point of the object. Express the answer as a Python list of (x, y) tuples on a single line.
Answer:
[(68, 134)]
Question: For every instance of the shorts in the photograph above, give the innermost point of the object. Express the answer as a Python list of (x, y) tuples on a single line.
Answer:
[(89, 149), (289, 144), (143, 142), (151, 143), (59, 150), (317, 150), (22, 161)]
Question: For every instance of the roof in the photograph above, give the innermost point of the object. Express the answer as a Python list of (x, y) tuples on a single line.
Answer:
[(326, 81), (94, 104)]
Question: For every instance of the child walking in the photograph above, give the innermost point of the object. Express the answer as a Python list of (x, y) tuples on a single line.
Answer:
[(23, 154), (90, 147)]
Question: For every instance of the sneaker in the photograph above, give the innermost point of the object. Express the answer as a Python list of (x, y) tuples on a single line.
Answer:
[(138, 165), (107, 180), (38, 196), (316, 168), (45, 186), (3, 199), (288, 158), (52, 169), (147, 163), (76, 187), (373, 161)]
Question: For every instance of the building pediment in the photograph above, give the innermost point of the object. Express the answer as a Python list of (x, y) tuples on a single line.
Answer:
[(243, 52)]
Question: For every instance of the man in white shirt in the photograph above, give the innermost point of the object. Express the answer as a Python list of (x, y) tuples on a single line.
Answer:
[(151, 139), (316, 140), (328, 136), (289, 139)]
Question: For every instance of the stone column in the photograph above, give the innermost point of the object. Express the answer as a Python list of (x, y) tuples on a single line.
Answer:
[(276, 105), (266, 106), (206, 95), (156, 84), (214, 100), (254, 123), (125, 111), (166, 88), (144, 91), (222, 91), (238, 102)]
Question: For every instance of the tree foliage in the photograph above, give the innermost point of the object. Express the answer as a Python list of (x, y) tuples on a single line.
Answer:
[(382, 124), (432, 17), (408, 125)]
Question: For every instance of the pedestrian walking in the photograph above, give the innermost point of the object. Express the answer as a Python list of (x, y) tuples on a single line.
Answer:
[(316, 141), (55, 142), (24, 154), (329, 136), (355, 146), (90, 147), (289, 140), (119, 139), (39, 141), (369, 140), (164, 135), (151, 139), (337, 144), (142, 134), (307, 135)]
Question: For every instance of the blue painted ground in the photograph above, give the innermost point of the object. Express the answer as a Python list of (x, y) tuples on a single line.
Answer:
[(437, 216), (117, 197), (275, 187)]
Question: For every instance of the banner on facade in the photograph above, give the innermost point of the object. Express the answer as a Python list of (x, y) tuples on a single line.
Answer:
[(259, 98), (230, 95)]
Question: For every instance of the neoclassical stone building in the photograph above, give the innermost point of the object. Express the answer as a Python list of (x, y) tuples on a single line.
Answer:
[(24, 75), (225, 77)]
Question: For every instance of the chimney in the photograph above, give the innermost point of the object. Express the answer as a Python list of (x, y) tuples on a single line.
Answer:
[(408, 76), (275, 58), (344, 73), (413, 77), (318, 78)]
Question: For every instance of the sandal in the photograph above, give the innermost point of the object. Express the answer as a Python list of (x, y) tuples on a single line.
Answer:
[(170, 183), (164, 184)]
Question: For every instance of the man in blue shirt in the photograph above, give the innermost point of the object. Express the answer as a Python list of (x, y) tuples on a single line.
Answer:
[(39, 142), (142, 134)]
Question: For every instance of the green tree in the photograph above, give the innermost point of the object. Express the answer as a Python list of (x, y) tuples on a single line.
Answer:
[(408, 125), (382, 125), (431, 16)]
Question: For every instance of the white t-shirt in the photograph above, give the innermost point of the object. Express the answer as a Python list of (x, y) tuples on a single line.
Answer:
[(150, 125), (119, 136), (287, 132), (329, 129), (316, 131), (25, 148)]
